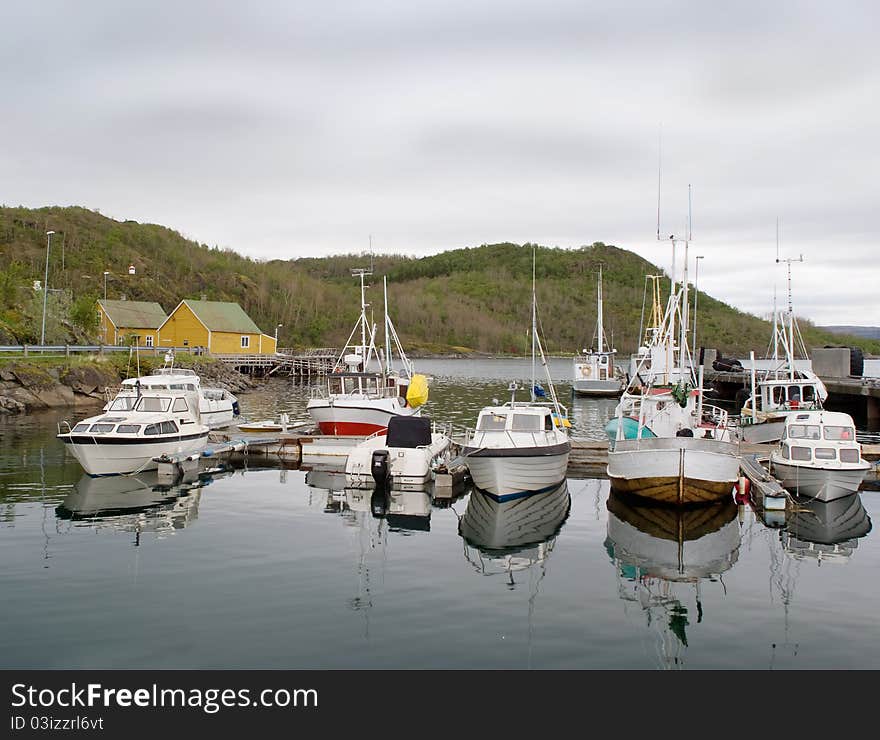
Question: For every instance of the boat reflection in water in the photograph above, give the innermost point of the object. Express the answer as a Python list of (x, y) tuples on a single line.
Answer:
[(662, 556), (826, 531), (133, 503), (509, 536)]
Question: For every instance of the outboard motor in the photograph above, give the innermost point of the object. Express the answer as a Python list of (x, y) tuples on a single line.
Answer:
[(381, 468), (235, 409)]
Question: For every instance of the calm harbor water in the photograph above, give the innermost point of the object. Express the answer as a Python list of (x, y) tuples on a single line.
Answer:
[(272, 568)]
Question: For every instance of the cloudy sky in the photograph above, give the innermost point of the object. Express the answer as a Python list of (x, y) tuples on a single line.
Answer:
[(301, 128)]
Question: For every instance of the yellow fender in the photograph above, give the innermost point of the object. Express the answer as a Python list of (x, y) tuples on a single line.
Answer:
[(417, 393)]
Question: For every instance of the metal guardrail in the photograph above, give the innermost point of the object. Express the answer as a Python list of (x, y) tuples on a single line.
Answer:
[(65, 350)]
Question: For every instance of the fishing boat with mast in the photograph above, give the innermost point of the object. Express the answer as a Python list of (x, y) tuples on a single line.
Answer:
[(666, 443), (595, 373), (521, 447), (365, 390), (784, 390)]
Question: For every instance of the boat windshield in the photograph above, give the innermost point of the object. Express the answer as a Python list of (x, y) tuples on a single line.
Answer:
[(804, 431), (122, 403), (492, 422), (153, 403), (526, 423), (838, 434)]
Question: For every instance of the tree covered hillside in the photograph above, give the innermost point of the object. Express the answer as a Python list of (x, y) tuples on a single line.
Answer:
[(476, 298)]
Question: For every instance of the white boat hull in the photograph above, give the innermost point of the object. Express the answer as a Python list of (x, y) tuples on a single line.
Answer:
[(506, 477), (823, 484), (99, 457), (597, 387), (674, 470), (356, 416)]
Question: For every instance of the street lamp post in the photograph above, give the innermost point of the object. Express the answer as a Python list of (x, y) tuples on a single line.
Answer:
[(696, 295), (46, 288), (276, 335), (106, 273)]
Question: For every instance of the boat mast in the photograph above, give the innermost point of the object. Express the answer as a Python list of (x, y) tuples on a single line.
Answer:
[(387, 337), (534, 322), (601, 327)]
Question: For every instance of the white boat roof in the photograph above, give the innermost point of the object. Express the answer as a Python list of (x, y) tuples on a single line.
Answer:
[(160, 381), (518, 408), (830, 418)]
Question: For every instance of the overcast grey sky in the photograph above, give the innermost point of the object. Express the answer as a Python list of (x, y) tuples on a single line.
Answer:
[(300, 128)]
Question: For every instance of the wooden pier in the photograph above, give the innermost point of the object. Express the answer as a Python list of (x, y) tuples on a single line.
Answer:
[(306, 364)]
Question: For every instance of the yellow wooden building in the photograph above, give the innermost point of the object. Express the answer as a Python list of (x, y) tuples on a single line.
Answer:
[(219, 327), (124, 322)]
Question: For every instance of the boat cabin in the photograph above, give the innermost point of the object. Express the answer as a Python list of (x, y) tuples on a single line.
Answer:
[(370, 385), (515, 419), (820, 436), (787, 395)]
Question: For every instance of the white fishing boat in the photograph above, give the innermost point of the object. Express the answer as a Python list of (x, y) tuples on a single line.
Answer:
[(595, 372), (159, 420), (364, 391), (405, 459), (785, 389), (665, 442), (520, 447), (217, 407), (819, 456)]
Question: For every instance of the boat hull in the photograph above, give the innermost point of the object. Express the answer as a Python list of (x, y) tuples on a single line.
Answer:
[(118, 457), (597, 387), (506, 477), (676, 471), (356, 417), (409, 469), (822, 484)]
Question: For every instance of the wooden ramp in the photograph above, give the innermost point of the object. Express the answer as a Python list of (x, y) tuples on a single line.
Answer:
[(766, 491)]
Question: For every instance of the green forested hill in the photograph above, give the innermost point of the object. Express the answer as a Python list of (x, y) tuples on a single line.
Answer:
[(473, 299)]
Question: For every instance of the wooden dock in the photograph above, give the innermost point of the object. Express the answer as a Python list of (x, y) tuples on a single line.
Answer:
[(310, 363)]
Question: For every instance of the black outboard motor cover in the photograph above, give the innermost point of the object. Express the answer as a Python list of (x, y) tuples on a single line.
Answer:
[(684, 433), (381, 467), (409, 431)]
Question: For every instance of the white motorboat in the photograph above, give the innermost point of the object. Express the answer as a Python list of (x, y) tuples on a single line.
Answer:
[(819, 456), (784, 390), (134, 431), (595, 373), (363, 391), (406, 458), (520, 447), (217, 407), (666, 443)]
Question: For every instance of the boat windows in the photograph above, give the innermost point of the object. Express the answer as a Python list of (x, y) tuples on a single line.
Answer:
[(152, 429), (804, 431), (778, 394), (168, 427), (152, 403), (526, 423), (334, 385), (81, 428), (825, 453), (179, 406), (784, 452), (847, 455), (124, 403), (800, 453), (128, 428), (548, 423), (491, 423), (809, 393), (837, 434), (101, 428)]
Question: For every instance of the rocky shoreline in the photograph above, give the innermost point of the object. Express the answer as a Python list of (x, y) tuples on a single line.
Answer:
[(27, 387)]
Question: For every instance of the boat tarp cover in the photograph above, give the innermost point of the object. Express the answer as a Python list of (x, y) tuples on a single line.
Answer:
[(630, 429), (417, 393), (408, 431)]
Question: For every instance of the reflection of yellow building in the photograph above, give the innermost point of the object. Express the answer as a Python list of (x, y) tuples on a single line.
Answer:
[(219, 327), (118, 321)]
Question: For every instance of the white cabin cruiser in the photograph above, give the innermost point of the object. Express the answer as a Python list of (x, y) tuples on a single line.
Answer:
[(217, 407), (133, 432), (405, 459), (363, 391), (819, 456)]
